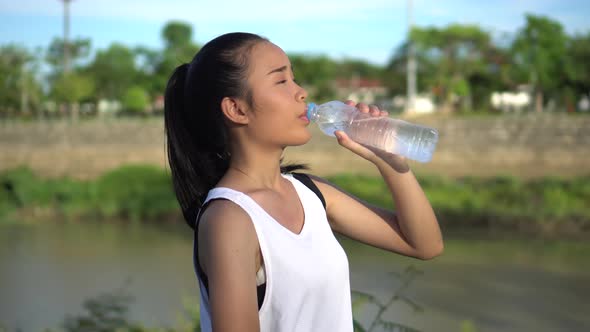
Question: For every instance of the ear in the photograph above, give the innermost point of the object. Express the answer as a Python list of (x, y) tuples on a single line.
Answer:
[(234, 110)]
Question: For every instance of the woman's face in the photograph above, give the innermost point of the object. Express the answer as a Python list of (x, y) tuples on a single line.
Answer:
[(279, 114)]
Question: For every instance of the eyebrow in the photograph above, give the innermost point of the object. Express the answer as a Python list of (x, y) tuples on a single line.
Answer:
[(278, 70)]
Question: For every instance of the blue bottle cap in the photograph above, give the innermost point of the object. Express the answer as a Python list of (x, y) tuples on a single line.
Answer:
[(310, 107)]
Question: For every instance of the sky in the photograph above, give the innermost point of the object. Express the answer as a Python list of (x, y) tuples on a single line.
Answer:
[(370, 30)]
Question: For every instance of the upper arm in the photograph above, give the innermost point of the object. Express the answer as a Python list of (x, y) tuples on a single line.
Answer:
[(361, 221), (227, 248)]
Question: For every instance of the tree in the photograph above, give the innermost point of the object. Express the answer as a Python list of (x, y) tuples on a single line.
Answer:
[(394, 75), (136, 100), (19, 89), (72, 88), (177, 35), (577, 66), (539, 49), (146, 61), (114, 71), (316, 74), (79, 49), (456, 53), (179, 49)]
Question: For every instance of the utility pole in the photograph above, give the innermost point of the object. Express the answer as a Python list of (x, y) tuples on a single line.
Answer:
[(73, 107), (66, 35), (411, 64)]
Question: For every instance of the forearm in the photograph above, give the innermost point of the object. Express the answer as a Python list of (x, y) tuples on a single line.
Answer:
[(415, 215)]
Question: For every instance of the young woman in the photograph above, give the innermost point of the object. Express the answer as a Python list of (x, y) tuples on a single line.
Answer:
[(265, 252)]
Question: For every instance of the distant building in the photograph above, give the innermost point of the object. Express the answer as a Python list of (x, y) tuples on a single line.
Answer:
[(584, 104), (108, 107), (507, 101), (360, 89), (423, 104), (158, 104)]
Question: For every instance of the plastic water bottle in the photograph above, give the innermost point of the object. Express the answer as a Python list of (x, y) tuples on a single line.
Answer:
[(396, 136)]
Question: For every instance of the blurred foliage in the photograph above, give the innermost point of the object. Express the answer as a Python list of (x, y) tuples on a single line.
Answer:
[(109, 311), (141, 192), (457, 54), (538, 51), (468, 326), (362, 299), (78, 49), (104, 313), (460, 65), (502, 201), (136, 100), (19, 88), (113, 70), (133, 192), (72, 88)]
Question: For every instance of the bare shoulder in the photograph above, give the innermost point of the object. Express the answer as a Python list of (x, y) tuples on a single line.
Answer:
[(225, 228), (223, 213)]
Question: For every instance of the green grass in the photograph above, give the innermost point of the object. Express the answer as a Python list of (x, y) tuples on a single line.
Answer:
[(144, 192), (134, 192), (499, 201)]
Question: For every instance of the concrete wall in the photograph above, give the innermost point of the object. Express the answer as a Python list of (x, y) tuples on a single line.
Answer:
[(523, 145)]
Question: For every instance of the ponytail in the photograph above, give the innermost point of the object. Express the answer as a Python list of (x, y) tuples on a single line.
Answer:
[(178, 142)]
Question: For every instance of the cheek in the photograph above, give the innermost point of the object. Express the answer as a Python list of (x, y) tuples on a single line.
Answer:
[(263, 97)]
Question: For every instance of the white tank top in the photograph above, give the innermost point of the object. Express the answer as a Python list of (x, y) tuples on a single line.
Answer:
[(307, 276)]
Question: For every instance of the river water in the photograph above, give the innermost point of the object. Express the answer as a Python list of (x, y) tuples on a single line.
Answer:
[(48, 271)]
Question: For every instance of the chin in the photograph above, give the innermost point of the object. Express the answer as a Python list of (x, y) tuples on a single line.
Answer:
[(301, 140)]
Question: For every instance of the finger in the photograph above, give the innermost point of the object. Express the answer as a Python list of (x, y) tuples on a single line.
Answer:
[(343, 139), (363, 107), (374, 110), (349, 102), (353, 146), (384, 113)]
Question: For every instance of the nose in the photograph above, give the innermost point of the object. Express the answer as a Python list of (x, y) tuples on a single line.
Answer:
[(301, 94)]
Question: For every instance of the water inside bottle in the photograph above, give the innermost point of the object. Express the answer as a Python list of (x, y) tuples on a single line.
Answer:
[(395, 136), (329, 128)]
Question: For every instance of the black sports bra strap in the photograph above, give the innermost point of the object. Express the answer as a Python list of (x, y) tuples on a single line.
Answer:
[(306, 180)]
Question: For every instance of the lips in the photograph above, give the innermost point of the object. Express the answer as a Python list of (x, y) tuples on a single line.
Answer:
[(304, 114), (303, 117)]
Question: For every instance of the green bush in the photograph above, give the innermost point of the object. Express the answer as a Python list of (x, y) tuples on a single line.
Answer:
[(143, 192), (484, 201), (135, 192), (20, 188), (130, 192), (136, 100)]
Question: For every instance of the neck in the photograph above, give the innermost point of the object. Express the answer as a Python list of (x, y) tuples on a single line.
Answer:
[(260, 168)]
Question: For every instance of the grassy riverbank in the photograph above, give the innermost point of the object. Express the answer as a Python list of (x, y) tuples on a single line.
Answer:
[(139, 193), (548, 204)]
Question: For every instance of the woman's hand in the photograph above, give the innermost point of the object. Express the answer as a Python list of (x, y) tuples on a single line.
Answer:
[(373, 155)]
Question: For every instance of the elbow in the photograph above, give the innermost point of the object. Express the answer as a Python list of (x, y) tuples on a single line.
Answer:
[(431, 252)]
